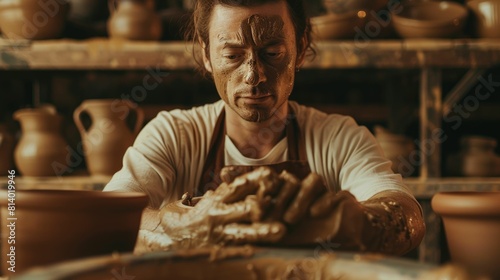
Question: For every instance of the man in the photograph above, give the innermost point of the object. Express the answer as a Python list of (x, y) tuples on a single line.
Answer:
[(252, 50)]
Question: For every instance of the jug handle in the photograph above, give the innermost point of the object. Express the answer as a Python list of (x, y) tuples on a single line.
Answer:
[(76, 117), (111, 6)]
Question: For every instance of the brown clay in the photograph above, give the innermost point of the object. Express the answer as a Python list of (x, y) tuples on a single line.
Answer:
[(42, 150), (337, 26), (472, 226), (134, 20), (6, 150), (108, 136), (486, 17), (32, 19), (50, 226)]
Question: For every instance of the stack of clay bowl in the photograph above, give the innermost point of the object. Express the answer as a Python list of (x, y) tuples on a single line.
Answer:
[(430, 19), (485, 17), (32, 19)]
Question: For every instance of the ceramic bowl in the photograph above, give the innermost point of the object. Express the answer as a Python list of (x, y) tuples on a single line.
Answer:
[(430, 19), (337, 26), (51, 226), (472, 226), (32, 19), (485, 17)]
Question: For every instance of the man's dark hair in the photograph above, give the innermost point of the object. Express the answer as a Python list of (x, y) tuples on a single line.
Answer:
[(199, 25)]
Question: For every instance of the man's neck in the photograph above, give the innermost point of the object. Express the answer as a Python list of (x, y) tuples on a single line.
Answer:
[(256, 139)]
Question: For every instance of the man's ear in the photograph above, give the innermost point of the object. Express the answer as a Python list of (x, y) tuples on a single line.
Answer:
[(206, 60), (301, 52)]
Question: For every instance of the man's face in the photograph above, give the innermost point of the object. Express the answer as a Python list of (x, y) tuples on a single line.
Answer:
[(252, 58)]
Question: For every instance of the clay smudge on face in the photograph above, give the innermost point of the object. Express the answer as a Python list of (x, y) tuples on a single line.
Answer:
[(259, 30)]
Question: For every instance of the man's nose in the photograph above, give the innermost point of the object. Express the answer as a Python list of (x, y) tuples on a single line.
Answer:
[(254, 72)]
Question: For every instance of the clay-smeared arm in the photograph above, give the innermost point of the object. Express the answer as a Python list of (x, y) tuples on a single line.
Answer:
[(390, 222)]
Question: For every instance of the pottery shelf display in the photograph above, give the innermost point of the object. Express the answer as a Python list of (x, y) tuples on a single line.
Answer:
[(133, 20), (108, 135), (33, 19), (42, 149)]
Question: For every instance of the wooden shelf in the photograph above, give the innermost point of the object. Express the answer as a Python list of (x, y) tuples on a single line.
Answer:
[(105, 54), (422, 189)]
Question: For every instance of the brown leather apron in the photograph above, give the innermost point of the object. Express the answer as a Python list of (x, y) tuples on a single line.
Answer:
[(296, 164)]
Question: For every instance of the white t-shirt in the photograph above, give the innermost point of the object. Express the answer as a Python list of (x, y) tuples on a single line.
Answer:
[(168, 155)]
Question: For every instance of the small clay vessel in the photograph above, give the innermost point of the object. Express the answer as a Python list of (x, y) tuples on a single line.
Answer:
[(7, 144), (42, 150), (61, 225), (398, 148), (33, 19), (134, 20), (108, 136), (472, 226), (476, 158)]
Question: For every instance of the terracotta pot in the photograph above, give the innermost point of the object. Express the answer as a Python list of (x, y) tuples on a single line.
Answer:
[(51, 226), (7, 144), (108, 136), (486, 17), (134, 20), (472, 226), (33, 19), (41, 150)]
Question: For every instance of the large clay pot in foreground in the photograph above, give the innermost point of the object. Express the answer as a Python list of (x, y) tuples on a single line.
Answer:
[(51, 226), (108, 136), (472, 225), (33, 19), (41, 150)]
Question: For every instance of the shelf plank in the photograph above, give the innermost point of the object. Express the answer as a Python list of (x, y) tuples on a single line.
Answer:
[(106, 54)]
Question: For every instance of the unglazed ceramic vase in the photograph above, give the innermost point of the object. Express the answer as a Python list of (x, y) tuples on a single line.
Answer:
[(134, 20), (108, 136), (397, 148), (7, 143), (33, 19), (42, 149), (472, 226), (61, 225), (476, 158)]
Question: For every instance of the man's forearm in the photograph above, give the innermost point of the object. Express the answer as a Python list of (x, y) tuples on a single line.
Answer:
[(394, 223)]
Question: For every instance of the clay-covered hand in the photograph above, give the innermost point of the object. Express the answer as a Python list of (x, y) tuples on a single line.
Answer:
[(390, 222), (231, 214)]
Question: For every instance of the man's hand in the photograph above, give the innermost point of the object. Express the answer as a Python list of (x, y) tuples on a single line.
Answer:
[(232, 214)]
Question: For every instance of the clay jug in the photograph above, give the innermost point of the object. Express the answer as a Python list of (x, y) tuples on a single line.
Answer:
[(41, 150), (108, 135), (472, 226), (134, 20), (6, 150)]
